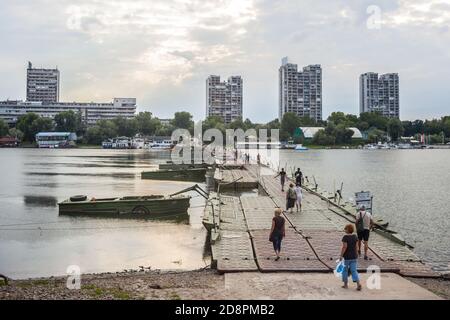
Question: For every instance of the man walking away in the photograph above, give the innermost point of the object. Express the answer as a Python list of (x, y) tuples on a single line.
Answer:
[(298, 177), (282, 175), (364, 224)]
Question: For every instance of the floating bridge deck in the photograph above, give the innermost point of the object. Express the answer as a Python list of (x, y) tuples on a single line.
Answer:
[(240, 227)]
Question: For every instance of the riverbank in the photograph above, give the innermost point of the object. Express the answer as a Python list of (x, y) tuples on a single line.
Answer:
[(208, 284)]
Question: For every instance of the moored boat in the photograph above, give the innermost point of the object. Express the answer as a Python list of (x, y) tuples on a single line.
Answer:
[(187, 174), (136, 206)]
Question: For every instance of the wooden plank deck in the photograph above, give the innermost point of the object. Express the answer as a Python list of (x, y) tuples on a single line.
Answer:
[(313, 236)]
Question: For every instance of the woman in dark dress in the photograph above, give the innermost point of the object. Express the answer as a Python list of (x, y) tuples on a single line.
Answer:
[(349, 253), (277, 232)]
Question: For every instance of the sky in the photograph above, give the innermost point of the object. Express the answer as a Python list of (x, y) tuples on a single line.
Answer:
[(162, 51)]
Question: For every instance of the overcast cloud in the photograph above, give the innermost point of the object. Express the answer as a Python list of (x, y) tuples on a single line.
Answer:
[(161, 51)]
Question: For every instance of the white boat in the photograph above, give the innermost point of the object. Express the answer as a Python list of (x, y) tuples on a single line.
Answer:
[(300, 147), (161, 145)]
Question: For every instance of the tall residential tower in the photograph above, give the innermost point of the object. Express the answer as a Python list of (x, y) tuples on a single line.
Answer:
[(42, 84), (300, 92), (379, 94), (224, 99)]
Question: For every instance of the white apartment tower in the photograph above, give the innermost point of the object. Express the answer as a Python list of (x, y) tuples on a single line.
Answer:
[(300, 92), (42, 84), (379, 94), (224, 99)]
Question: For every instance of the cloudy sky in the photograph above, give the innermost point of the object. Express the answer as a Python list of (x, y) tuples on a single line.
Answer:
[(161, 51)]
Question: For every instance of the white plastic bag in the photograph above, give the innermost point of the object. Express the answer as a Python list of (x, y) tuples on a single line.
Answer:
[(339, 268)]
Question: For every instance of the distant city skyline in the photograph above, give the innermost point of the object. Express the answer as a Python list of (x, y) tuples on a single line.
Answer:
[(161, 52)]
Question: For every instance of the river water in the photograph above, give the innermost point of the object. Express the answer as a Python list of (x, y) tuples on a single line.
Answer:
[(411, 191), (36, 241)]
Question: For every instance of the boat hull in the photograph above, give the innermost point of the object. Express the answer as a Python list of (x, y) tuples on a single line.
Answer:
[(133, 207), (196, 174)]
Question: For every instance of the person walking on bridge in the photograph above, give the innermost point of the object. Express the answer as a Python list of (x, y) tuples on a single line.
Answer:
[(350, 255), (298, 177), (298, 192), (282, 175), (277, 232), (364, 224), (291, 198)]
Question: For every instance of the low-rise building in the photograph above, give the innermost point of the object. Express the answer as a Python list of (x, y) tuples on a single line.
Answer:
[(56, 139), (91, 112)]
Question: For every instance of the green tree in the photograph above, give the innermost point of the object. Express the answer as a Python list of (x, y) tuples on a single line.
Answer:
[(14, 132), (147, 125), (395, 129), (126, 127), (237, 124), (289, 123), (183, 120), (31, 123), (323, 139), (376, 135), (213, 122), (68, 121), (374, 119), (24, 124), (4, 128)]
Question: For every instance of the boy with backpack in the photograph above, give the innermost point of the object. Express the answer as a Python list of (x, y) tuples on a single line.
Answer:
[(364, 224)]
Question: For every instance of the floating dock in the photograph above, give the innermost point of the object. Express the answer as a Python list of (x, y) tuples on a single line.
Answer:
[(240, 227)]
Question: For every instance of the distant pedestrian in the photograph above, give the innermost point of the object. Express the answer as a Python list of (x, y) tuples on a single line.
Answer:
[(363, 223), (298, 202), (350, 255), (282, 175), (291, 198), (258, 159), (298, 177), (277, 232)]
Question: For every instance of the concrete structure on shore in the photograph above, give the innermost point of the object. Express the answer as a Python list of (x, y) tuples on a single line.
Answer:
[(42, 84), (379, 94), (224, 98), (300, 92), (91, 112)]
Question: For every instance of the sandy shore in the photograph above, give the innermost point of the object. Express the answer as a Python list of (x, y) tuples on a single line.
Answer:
[(208, 284)]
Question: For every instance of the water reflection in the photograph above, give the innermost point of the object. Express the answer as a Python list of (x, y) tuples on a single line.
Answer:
[(40, 201), (113, 175)]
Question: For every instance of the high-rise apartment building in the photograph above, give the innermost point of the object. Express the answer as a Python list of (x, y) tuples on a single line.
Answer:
[(224, 99), (42, 84), (379, 94), (300, 92)]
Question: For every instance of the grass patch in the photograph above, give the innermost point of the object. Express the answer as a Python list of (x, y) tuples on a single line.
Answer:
[(97, 292), (174, 296), (41, 282), (2, 283)]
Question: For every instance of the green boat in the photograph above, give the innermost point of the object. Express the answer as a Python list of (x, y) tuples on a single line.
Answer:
[(132, 206), (194, 174), (182, 166)]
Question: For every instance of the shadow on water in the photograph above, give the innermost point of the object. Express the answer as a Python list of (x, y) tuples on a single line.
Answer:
[(113, 175), (40, 201)]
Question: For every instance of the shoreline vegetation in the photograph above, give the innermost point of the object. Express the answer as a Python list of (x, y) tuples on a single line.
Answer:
[(154, 285), (375, 128)]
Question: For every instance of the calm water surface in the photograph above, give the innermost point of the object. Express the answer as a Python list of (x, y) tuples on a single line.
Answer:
[(411, 190), (36, 241)]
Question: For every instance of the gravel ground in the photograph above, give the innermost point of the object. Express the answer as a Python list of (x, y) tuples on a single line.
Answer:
[(440, 287), (154, 285)]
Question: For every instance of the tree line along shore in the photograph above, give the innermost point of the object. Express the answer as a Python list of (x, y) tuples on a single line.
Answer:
[(337, 132)]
